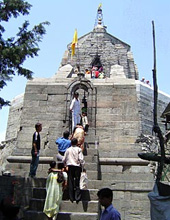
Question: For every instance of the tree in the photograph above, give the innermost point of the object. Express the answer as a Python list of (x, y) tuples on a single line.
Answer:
[(15, 50)]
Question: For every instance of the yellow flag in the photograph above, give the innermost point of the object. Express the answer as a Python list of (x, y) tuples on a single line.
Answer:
[(100, 5), (75, 40)]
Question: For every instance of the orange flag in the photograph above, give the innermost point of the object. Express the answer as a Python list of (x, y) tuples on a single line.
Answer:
[(75, 40)]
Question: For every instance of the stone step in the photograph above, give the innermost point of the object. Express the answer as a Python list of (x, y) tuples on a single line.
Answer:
[(66, 206), (92, 174), (141, 184), (82, 206), (90, 137), (37, 215), (120, 153), (39, 193), (91, 150), (123, 161), (20, 165), (124, 173), (26, 150), (91, 166), (113, 172), (26, 155), (122, 185), (127, 176), (27, 159), (77, 216), (36, 204), (22, 169), (34, 215), (90, 158), (18, 157), (36, 182), (87, 195)]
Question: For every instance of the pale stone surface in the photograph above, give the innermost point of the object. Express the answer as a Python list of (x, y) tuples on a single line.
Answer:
[(64, 71), (117, 72), (14, 119)]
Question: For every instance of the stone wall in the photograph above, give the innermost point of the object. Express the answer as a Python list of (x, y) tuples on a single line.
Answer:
[(44, 102), (111, 51), (146, 106), (7, 189), (118, 122), (14, 118), (123, 110), (18, 188)]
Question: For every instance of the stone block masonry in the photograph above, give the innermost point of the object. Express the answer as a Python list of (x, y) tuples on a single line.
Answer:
[(119, 109)]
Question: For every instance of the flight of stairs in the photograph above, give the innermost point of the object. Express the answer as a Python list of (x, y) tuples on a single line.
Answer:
[(122, 171), (85, 209)]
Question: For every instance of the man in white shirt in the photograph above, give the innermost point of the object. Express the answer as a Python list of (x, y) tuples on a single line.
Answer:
[(75, 109), (74, 160)]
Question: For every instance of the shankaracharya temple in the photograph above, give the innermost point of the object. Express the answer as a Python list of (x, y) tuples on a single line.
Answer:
[(119, 108)]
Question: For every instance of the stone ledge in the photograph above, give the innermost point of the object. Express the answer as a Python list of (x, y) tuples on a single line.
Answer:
[(123, 161), (27, 159)]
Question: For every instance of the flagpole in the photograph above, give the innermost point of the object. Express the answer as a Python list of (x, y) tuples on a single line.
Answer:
[(78, 58), (156, 127)]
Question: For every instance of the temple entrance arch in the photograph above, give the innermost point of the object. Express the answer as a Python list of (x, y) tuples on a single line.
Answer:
[(87, 95)]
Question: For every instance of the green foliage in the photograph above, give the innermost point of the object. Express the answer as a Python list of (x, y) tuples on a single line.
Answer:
[(15, 50)]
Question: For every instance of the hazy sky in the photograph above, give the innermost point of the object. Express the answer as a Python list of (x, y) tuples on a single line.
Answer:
[(128, 20)]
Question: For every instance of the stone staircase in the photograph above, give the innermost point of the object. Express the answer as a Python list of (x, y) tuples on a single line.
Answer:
[(85, 209), (121, 170), (129, 178)]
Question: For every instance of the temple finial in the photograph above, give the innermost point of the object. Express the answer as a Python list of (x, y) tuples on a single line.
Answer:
[(100, 5), (99, 17), (99, 24)]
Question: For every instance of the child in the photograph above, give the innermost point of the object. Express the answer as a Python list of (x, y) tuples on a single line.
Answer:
[(105, 196), (85, 123)]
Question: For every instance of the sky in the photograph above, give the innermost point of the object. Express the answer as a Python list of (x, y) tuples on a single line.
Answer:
[(127, 20)]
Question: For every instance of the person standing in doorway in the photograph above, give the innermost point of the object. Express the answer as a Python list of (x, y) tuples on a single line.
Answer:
[(36, 142), (75, 109), (74, 160), (105, 197)]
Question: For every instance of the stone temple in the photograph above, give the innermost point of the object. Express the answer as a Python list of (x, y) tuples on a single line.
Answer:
[(119, 109)]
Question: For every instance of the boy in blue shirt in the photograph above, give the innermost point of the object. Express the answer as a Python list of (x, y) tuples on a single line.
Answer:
[(63, 143), (105, 197)]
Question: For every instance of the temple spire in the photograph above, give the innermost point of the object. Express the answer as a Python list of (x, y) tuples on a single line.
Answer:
[(99, 17)]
